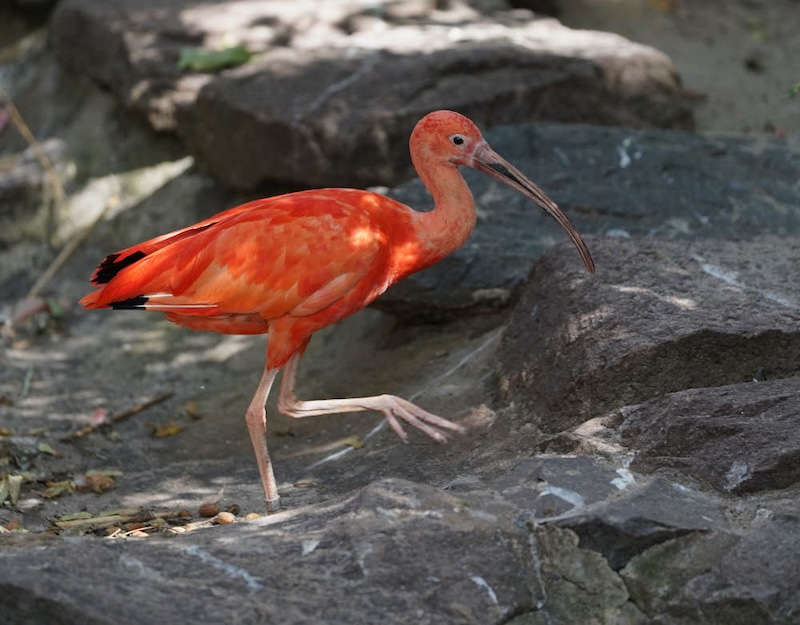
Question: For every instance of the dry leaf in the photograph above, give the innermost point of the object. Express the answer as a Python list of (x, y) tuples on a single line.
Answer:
[(56, 489), (75, 516), (192, 408), (168, 429), (14, 485), (208, 510), (5, 431), (99, 416), (45, 448), (353, 441), (98, 482)]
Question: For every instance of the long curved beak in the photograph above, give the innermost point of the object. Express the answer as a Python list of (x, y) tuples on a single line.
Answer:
[(485, 159)]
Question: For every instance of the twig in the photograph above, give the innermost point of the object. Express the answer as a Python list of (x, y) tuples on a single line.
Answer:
[(121, 416), (41, 156), (65, 253), (57, 191)]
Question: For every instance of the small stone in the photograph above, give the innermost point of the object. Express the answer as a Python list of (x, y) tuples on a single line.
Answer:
[(224, 518), (252, 516)]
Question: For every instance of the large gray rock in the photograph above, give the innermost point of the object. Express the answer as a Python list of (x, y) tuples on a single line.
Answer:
[(658, 317), (333, 92), (611, 182), (718, 578), (740, 438)]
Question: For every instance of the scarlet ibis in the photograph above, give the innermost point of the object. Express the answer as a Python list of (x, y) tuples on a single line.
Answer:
[(292, 264)]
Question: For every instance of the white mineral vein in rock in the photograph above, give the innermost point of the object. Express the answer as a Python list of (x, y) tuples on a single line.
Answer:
[(484, 584), (565, 494), (231, 570), (624, 480)]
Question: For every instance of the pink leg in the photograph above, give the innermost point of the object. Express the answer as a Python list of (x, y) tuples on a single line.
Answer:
[(392, 407), (256, 418)]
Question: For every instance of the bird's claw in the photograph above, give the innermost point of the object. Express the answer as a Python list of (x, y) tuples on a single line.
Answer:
[(419, 418)]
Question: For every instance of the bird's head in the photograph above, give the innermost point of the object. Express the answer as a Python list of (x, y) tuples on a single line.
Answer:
[(449, 138)]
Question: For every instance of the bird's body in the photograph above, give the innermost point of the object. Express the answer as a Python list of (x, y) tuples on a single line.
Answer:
[(292, 264), (288, 265)]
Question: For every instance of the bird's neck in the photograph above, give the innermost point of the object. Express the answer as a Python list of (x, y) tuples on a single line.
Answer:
[(444, 229)]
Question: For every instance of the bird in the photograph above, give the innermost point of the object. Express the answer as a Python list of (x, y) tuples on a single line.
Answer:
[(290, 265)]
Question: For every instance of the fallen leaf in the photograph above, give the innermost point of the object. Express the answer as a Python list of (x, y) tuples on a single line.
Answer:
[(208, 60), (14, 485), (192, 408), (56, 489), (14, 524), (99, 416), (56, 310), (353, 441), (99, 483), (138, 534), (75, 516), (167, 429), (45, 448), (4, 431), (208, 510)]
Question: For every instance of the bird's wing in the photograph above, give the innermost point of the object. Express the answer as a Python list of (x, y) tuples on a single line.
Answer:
[(294, 254)]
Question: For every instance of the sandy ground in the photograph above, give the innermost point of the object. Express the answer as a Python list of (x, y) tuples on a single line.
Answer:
[(743, 55)]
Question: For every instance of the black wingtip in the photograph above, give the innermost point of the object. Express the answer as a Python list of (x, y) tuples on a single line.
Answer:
[(110, 266), (132, 303)]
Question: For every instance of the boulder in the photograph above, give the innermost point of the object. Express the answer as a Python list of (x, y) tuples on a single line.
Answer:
[(613, 182), (658, 317), (738, 438), (331, 94)]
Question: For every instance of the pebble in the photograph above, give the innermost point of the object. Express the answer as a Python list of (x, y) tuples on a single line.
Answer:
[(224, 518)]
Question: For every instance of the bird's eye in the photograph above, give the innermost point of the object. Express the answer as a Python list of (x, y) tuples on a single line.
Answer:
[(457, 139)]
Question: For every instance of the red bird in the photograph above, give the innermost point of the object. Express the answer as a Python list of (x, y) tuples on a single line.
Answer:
[(292, 264)]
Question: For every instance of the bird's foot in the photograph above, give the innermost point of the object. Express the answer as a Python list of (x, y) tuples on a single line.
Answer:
[(396, 409), (273, 505)]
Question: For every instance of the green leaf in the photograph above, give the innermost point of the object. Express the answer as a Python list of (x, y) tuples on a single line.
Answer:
[(45, 448), (794, 90), (207, 60)]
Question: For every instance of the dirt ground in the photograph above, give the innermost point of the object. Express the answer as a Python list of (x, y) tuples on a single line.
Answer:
[(743, 55)]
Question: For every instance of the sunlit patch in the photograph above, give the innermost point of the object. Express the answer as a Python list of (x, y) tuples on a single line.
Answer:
[(406, 256), (370, 200), (365, 237)]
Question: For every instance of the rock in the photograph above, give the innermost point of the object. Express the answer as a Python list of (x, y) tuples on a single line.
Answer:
[(612, 182), (658, 317), (740, 438), (331, 95), (721, 578), (386, 547)]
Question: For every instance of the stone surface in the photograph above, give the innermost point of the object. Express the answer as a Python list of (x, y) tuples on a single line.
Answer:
[(740, 438), (657, 317), (332, 93), (610, 182), (718, 578), (506, 524)]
